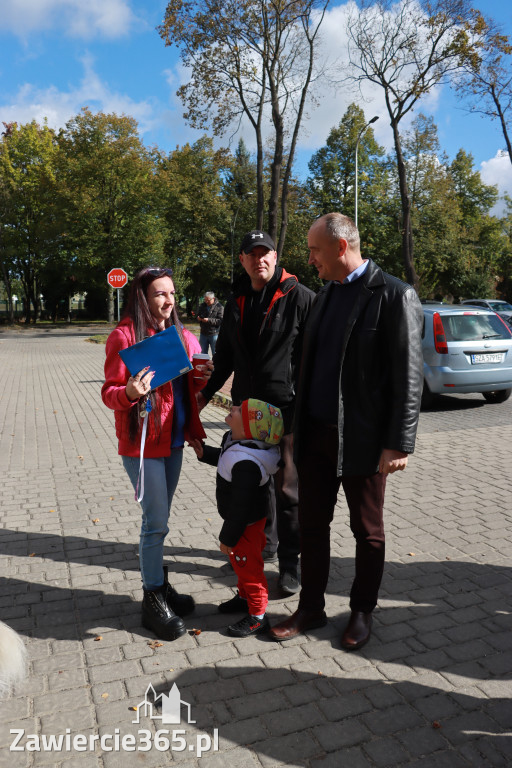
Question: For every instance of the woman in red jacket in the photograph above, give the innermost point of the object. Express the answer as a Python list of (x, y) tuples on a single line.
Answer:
[(172, 418)]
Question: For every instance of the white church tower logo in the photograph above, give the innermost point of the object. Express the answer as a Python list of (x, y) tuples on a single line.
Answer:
[(171, 706)]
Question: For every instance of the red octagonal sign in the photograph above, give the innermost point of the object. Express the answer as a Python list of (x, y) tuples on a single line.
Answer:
[(117, 278)]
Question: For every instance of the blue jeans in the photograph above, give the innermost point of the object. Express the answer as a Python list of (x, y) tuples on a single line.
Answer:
[(206, 341), (160, 480)]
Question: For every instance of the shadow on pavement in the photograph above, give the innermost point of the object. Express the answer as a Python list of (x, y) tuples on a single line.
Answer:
[(294, 715)]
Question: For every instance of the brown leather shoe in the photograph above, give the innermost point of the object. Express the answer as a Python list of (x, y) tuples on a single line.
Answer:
[(358, 631), (298, 622)]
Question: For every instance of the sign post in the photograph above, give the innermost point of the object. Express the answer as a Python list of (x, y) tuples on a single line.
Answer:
[(117, 278)]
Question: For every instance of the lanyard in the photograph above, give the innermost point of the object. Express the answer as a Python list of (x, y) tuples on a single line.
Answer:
[(144, 412)]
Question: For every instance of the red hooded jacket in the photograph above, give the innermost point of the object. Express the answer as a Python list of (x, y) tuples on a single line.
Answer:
[(113, 394)]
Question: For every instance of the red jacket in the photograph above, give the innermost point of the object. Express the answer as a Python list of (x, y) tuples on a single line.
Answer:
[(113, 394)]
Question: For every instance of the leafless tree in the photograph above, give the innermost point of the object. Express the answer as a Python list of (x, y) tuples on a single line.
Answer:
[(252, 58), (407, 48)]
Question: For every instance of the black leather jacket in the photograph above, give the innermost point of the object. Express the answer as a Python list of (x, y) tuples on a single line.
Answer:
[(380, 402), (214, 313)]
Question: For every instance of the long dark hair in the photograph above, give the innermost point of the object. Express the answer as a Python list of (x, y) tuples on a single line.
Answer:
[(137, 310)]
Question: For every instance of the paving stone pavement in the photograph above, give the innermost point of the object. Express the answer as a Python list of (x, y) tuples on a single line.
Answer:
[(432, 688)]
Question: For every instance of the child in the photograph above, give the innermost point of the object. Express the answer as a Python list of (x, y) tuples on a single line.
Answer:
[(245, 461)]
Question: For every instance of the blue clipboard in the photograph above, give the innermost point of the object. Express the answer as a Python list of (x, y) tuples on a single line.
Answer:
[(164, 353)]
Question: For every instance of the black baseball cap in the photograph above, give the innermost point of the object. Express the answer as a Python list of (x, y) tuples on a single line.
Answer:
[(256, 237)]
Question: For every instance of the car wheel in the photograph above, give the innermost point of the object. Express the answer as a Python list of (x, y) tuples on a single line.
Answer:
[(427, 398), (497, 397)]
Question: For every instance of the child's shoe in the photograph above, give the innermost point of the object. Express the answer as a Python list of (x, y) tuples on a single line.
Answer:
[(249, 625), (237, 604)]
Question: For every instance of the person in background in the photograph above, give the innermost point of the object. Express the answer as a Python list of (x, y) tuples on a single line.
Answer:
[(248, 457), (260, 341), (210, 316), (357, 411), (172, 417)]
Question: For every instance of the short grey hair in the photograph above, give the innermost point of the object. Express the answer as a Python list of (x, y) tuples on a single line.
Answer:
[(209, 295), (339, 226)]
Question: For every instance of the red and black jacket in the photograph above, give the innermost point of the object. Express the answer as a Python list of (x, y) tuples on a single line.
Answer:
[(267, 371)]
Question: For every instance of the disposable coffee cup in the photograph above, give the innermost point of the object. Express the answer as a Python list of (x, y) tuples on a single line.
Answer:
[(198, 364)]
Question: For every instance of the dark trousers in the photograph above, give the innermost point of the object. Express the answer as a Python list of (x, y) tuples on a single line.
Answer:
[(282, 526), (318, 492)]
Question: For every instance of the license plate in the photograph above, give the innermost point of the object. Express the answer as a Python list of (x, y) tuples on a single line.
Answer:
[(497, 357)]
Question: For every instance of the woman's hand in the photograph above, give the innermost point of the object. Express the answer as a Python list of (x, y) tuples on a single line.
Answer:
[(140, 384), (225, 549), (206, 370), (197, 446)]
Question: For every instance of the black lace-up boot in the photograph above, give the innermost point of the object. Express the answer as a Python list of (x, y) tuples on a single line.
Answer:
[(180, 604), (158, 617)]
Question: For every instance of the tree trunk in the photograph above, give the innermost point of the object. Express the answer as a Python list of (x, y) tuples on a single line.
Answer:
[(260, 203), (502, 121), (407, 238), (277, 161), (110, 304)]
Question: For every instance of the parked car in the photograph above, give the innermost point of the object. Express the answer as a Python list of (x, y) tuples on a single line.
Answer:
[(465, 350), (502, 308)]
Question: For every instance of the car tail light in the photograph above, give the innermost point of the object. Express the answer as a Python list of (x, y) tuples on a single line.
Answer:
[(439, 335)]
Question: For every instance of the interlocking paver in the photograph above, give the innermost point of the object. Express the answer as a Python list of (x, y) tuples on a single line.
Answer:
[(69, 573)]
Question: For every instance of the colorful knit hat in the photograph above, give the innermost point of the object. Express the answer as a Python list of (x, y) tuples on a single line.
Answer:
[(262, 421)]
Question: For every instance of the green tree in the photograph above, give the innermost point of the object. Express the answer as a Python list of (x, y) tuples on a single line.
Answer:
[(110, 195), (331, 185), (197, 217), (29, 217), (481, 234), (238, 190), (254, 59), (435, 209)]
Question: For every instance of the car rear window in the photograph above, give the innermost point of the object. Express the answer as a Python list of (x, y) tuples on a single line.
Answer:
[(471, 327)]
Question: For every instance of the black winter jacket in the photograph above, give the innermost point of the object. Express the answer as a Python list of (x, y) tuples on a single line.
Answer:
[(242, 501), (214, 313), (380, 403), (268, 372)]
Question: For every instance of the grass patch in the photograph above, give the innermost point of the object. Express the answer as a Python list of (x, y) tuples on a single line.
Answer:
[(101, 338)]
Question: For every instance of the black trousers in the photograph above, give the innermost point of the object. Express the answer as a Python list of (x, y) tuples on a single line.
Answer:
[(282, 526), (318, 492)]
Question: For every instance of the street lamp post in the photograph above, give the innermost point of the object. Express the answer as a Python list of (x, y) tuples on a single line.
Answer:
[(363, 129), (233, 223)]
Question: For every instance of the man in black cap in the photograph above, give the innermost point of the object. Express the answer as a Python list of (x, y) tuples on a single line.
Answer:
[(260, 341)]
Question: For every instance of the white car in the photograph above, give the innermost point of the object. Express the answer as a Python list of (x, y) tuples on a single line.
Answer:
[(465, 349), (502, 308)]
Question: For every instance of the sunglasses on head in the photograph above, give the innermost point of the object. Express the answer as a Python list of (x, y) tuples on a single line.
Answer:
[(158, 271)]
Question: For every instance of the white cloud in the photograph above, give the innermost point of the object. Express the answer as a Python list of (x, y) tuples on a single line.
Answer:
[(498, 170), (31, 103), (78, 18)]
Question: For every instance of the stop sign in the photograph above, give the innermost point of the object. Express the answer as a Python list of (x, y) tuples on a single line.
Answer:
[(117, 278)]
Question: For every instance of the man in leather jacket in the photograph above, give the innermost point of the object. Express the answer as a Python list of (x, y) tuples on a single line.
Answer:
[(356, 416), (210, 315), (260, 341)]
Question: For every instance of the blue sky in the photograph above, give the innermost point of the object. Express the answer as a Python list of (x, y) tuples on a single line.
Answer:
[(59, 55)]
